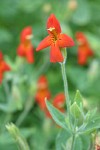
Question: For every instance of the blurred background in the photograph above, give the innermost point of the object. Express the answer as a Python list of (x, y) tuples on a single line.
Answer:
[(19, 86)]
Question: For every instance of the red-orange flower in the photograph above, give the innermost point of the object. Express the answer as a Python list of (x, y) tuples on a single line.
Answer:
[(25, 48), (84, 50), (42, 92), (3, 67), (56, 40), (59, 101)]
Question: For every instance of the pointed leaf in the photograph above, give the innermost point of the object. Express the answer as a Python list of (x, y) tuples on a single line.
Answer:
[(90, 115), (93, 124), (77, 114), (61, 140), (58, 117), (78, 98)]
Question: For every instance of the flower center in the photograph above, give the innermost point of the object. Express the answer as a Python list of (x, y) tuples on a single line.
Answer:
[(54, 34)]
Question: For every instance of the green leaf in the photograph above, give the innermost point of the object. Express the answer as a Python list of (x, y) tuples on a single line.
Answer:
[(78, 144), (81, 142), (90, 115), (58, 117), (85, 141), (76, 113), (92, 125), (64, 141), (61, 140), (78, 98)]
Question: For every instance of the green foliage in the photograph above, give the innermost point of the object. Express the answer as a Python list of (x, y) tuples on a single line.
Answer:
[(93, 124), (81, 125), (64, 140), (78, 99), (14, 131), (58, 117), (76, 113)]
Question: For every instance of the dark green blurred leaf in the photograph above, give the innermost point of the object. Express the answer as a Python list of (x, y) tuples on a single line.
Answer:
[(5, 35)]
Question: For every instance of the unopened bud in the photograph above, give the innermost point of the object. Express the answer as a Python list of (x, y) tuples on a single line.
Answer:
[(15, 133)]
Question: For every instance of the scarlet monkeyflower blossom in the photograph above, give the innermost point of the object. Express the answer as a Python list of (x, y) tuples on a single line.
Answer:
[(84, 50), (3, 67), (25, 48), (42, 92), (56, 40)]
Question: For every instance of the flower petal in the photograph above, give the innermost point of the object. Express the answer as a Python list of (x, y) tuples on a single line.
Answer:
[(81, 38), (65, 41), (90, 52), (1, 77), (52, 22), (5, 66), (20, 50), (59, 100), (29, 54), (55, 54), (25, 32), (82, 56), (44, 43)]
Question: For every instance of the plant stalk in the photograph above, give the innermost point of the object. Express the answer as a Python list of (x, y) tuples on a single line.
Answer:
[(68, 102), (65, 88), (73, 142)]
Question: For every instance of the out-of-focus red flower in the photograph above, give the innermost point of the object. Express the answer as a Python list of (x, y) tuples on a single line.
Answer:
[(47, 113), (25, 48), (84, 50), (56, 40), (42, 92), (58, 102), (3, 67)]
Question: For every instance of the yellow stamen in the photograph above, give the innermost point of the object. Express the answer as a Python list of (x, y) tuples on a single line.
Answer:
[(51, 29), (28, 37), (53, 32)]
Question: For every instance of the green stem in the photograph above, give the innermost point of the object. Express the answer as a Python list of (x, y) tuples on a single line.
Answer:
[(73, 142), (65, 88), (22, 144), (68, 102)]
